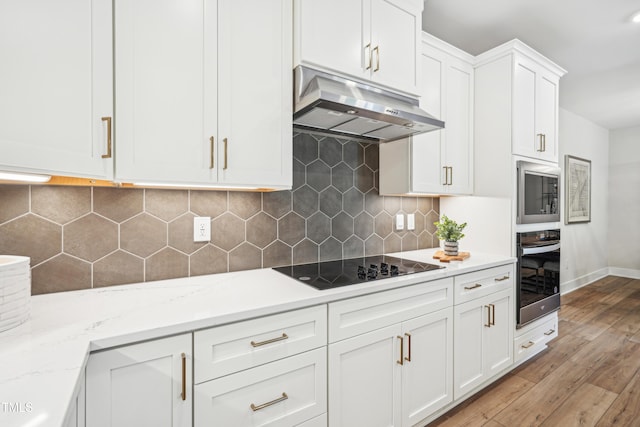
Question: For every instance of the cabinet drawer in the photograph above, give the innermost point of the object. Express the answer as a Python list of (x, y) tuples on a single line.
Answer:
[(231, 348), (284, 393), (359, 315), (535, 340), (484, 282)]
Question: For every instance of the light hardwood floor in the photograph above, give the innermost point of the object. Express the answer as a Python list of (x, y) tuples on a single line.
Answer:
[(589, 375)]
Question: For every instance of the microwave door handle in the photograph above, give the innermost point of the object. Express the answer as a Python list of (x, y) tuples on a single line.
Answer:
[(540, 249)]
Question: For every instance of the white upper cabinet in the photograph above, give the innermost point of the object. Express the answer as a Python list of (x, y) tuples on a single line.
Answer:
[(376, 40), (438, 162), (56, 86), (535, 110), (199, 99)]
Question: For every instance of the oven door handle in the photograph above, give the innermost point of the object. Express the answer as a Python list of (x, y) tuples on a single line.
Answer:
[(540, 249)]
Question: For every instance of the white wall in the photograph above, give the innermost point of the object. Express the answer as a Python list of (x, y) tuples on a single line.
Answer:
[(624, 202), (585, 245)]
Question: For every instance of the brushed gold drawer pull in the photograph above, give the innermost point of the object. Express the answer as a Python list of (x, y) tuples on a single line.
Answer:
[(488, 324), (476, 286), (272, 340), (493, 315), (184, 376), (502, 279), (401, 361), (408, 358), (108, 120), (255, 408), (550, 332), (377, 49), (368, 53), (527, 345), (540, 147)]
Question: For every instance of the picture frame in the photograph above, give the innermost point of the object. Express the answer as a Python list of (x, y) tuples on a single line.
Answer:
[(578, 189)]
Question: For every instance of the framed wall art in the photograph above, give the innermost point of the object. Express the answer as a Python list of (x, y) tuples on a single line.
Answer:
[(578, 189)]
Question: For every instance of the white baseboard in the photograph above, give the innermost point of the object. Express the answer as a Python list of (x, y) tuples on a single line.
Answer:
[(624, 272), (579, 282)]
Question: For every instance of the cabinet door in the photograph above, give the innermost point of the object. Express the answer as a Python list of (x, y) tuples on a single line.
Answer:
[(141, 385), (547, 114), (470, 319), (56, 85), (165, 73), (255, 112), (524, 141), (396, 26), (364, 379), (427, 374), (427, 156), (498, 339), (334, 34), (459, 127)]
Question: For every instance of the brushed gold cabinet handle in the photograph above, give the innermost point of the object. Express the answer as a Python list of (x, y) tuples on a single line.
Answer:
[(271, 341), (255, 408), (544, 142), (408, 335), (401, 361), (493, 314), (368, 54), (108, 120), (476, 286), (446, 175), (488, 324), (211, 141), (450, 175), (225, 153), (377, 49), (527, 345), (539, 142), (501, 279), (184, 376), (550, 332)]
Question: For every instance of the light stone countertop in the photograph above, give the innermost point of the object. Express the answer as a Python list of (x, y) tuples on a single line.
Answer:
[(42, 360)]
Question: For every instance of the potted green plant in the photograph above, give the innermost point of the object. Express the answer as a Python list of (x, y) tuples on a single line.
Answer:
[(450, 232)]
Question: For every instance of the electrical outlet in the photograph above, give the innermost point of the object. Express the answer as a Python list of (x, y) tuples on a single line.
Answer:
[(399, 221), (202, 229), (411, 221)]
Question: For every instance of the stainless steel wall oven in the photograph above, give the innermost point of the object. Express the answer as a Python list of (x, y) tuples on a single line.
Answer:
[(538, 274)]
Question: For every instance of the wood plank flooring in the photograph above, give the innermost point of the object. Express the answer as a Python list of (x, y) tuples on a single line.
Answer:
[(589, 375)]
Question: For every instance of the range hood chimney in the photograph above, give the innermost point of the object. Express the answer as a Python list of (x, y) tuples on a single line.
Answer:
[(332, 105)]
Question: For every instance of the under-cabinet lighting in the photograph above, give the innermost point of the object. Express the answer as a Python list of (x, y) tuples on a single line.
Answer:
[(636, 18), (24, 177), (212, 187)]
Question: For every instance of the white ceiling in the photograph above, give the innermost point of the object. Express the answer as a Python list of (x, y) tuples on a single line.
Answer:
[(594, 40)]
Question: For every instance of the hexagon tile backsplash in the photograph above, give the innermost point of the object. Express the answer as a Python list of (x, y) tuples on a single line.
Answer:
[(81, 237)]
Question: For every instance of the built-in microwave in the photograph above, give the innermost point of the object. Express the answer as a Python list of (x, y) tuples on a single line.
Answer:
[(538, 193)]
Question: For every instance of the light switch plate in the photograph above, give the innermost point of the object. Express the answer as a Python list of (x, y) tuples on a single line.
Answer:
[(202, 229), (411, 221), (399, 221)]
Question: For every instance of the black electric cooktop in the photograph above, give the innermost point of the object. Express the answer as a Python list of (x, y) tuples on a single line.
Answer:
[(335, 274)]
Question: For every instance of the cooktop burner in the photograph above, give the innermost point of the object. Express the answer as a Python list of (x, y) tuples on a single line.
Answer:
[(334, 274)]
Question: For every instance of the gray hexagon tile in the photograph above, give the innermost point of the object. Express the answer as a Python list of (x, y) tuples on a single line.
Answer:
[(304, 252), (342, 177), (305, 148), (330, 250), (61, 273), (392, 204), (227, 231), (117, 269), (143, 235), (331, 201), (353, 247), (318, 175), (118, 204), (353, 202), (277, 203), (166, 204), (372, 156), (276, 254), (299, 174), (305, 201), (425, 204), (363, 225), (60, 204), (330, 151), (90, 237), (31, 236), (166, 264), (245, 257), (262, 230), (409, 204), (364, 179), (373, 203), (245, 205), (181, 234), (383, 224), (392, 243), (318, 227), (291, 228), (208, 260), (374, 245), (409, 242), (342, 226), (15, 201), (208, 203), (353, 154)]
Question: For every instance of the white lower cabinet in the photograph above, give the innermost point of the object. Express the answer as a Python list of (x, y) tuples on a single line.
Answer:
[(533, 338), (396, 375), (75, 413), (146, 384), (483, 340), (286, 392)]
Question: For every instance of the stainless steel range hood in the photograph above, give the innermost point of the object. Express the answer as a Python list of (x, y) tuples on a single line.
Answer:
[(331, 105)]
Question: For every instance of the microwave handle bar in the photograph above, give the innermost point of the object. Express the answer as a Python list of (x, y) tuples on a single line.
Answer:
[(540, 249)]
